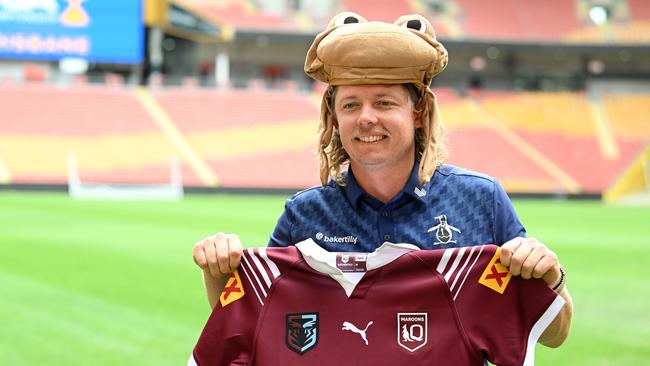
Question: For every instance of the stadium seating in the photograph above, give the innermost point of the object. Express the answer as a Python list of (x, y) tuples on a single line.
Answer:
[(378, 10), (105, 127), (542, 142), (242, 15), (564, 129), (508, 20), (249, 138)]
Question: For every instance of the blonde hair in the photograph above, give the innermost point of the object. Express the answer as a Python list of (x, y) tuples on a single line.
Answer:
[(333, 156)]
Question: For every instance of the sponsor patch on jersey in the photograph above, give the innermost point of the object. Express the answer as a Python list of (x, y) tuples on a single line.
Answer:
[(495, 275), (412, 330), (352, 262), (301, 332), (233, 290)]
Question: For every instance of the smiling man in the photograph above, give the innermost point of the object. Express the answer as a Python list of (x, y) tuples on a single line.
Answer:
[(381, 153)]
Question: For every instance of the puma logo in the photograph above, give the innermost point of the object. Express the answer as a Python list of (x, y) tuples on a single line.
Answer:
[(351, 327)]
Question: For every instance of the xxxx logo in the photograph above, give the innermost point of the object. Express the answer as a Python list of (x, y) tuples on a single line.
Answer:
[(495, 275), (233, 290)]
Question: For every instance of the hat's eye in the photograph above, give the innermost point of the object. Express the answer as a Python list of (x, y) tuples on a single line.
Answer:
[(416, 24), (349, 18)]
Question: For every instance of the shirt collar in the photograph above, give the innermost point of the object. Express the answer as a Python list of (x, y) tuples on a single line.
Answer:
[(324, 262), (413, 188)]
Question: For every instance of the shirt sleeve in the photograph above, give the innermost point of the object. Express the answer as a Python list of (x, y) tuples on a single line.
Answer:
[(504, 315), (281, 235), (506, 222), (227, 338)]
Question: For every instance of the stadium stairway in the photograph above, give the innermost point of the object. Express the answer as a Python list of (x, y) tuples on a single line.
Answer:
[(249, 138), (575, 133), (479, 143)]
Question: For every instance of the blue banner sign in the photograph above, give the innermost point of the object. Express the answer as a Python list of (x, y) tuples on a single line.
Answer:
[(107, 31)]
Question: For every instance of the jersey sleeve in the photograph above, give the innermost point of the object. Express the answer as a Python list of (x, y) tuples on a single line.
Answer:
[(506, 222), (229, 334), (502, 315)]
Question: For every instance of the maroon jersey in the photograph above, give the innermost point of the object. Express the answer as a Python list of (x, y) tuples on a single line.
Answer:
[(398, 305)]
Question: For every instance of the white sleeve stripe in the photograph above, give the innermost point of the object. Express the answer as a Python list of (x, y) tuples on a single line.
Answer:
[(469, 270), (252, 285), (191, 361), (260, 267), (455, 264), (460, 271), (274, 269), (443, 261), (252, 271), (539, 328)]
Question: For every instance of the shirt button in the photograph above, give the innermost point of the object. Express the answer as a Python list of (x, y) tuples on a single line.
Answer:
[(387, 237), (385, 214)]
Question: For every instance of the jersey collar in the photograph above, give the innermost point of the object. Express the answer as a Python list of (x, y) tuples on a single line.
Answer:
[(325, 262)]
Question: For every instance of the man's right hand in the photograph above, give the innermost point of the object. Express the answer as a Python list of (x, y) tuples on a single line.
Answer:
[(218, 255)]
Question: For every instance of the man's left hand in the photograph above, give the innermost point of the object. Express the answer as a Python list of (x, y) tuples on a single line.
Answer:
[(529, 258)]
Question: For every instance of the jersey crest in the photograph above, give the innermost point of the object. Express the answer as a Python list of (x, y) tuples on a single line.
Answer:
[(301, 332), (412, 330), (495, 276), (233, 290)]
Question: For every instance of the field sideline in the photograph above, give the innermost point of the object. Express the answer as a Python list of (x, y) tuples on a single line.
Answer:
[(113, 283)]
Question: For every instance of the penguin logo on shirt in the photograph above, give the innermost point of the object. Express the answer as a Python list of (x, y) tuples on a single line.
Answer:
[(444, 231)]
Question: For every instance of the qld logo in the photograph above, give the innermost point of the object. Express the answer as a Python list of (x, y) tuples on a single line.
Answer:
[(412, 330), (301, 332)]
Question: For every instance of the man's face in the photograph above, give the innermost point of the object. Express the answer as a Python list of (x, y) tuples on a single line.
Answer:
[(377, 125)]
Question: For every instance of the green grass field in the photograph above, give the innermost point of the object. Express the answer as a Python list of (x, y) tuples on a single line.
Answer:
[(113, 283)]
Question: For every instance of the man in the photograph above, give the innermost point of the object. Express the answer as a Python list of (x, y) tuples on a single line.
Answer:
[(380, 118)]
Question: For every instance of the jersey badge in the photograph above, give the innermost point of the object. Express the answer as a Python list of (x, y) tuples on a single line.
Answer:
[(495, 275), (233, 290), (301, 332), (353, 328), (412, 330), (444, 231)]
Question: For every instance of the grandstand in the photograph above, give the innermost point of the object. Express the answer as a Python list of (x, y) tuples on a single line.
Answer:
[(526, 97)]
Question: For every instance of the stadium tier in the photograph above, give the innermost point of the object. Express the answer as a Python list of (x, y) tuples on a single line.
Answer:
[(106, 128), (378, 10), (507, 20), (532, 142), (573, 132), (243, 15), (249, 138)]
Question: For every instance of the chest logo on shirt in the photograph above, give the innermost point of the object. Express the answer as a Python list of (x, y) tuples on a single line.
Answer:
[(444, 231), (412, 330), (233, 290), (301, 332), (495, 275), (353, 328)]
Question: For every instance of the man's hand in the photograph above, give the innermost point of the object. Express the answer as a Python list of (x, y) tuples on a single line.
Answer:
[(528, 258), (218, 256)]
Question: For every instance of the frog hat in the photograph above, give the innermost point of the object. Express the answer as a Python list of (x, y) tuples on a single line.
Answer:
[(353, 51)]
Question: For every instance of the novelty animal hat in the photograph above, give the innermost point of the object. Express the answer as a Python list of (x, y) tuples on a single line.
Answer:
[(353, 51)]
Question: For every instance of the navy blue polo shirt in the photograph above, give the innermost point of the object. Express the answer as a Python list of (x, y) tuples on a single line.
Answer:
[(456, 208)]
